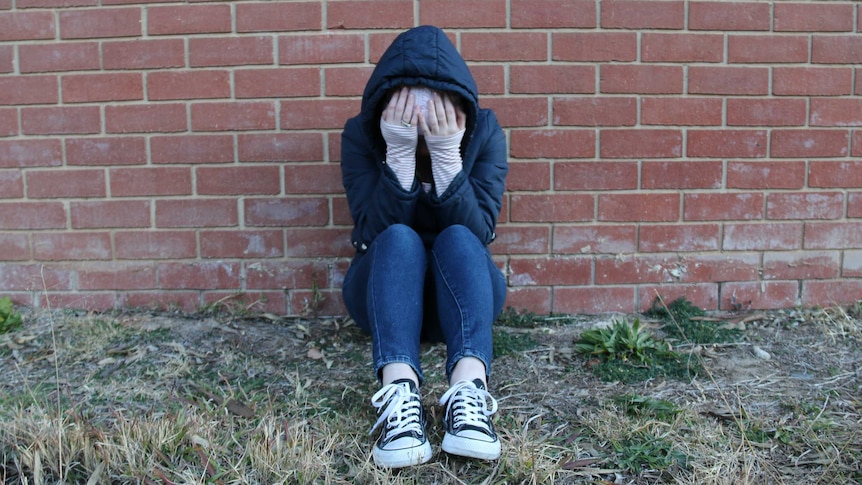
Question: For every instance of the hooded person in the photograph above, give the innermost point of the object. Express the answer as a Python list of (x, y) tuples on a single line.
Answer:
[(424, 170)]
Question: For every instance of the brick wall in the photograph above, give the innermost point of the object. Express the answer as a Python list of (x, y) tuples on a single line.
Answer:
[(168, 153)]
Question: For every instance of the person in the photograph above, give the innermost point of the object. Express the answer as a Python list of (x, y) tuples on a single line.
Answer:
[(424, 172)]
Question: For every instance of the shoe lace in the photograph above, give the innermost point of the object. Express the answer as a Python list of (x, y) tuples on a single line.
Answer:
[(469, 405), (402, 412)]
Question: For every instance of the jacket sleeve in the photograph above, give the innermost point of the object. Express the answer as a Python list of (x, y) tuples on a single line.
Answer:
[(475, 196), (374, 195)]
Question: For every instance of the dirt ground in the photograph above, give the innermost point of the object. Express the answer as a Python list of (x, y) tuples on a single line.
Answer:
[(794, 383)]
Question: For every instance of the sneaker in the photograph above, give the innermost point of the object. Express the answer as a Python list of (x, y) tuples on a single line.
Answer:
[(469, 431), (402, 440)]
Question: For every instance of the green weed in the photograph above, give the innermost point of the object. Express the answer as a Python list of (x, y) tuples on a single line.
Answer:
[(10, 319), (637, 405), (683, 322), (647, 453), (506, 343)]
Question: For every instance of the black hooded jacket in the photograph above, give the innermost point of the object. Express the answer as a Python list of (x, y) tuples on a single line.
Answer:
[(422, 56)]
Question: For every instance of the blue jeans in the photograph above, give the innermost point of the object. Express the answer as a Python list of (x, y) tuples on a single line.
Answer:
[(402, 293)]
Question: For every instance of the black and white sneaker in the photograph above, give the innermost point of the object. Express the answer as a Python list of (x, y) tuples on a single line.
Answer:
[(469, 431), (402, 440)]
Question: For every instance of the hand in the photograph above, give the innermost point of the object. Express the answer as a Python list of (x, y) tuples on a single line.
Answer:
[(400, 111), (401, 136), (444, 118)]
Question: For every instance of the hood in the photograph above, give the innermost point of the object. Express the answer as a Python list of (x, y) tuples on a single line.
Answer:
[(422, 55)]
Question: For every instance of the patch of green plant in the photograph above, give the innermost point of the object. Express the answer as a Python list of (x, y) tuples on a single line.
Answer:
[(647, 453), (683, 322), (517, 319), (10, 319), (506, 343), (637, 405)]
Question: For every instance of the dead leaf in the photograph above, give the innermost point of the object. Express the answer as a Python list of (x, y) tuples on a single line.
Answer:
[(239, 408), (314, 354), (584, 462)]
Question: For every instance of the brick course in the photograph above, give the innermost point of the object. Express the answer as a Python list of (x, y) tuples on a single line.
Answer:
[(154, 154)]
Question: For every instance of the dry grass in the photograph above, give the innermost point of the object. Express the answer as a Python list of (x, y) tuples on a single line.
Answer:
[(159, 398)]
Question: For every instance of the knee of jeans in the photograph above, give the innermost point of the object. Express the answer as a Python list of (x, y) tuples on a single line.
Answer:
[(400, 237), (457, 234)]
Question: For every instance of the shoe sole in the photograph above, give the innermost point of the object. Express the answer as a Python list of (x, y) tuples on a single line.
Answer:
[(470, 448), (402, 458)]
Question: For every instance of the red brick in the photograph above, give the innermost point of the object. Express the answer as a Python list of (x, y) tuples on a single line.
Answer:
[(65, 183), (812, 81), (759, 295), (678, 238), (185, 301), (242, 180), (448, 14), (852, 266), (522, 239), (728, 80), (369, 14), (807, 205), (149, 181), (712, 268), (72, 246), (321, 48), (552, 207), (807, 143), (181, 85), (534, 299), (594, 239), (726, 143), (829, 49), (642, 143), (319, 242), (317, 113), (747, 49), (813, 17), (681, 175), (233, 116), (729, 16), (614, 270), (277, 147), (103, 214), (99, 301), (703, 296), (278, 16), (242, 244), (762, 237), (379, 42), (604, 175), (546, 271), (32, 215), (552, 144), (8, 122), (151, 244), (641, 79), (18, 90), (766, 112), (35, 277), (595, 46), (115, 276), (100, 23), (765, 175), (71, 56), (643, 14), (145, 118), (857, 143), (55, 3), (7, 59), (331, 304), (189, 19), (844, 174), (277, 83), (196, 213), (490, 79), (831, 293), (345, 81), (801, 265), (26, 26), (15, 247), (836, 112), (88, 88), (854, 205), (341, 212), (528, 176), (279, 212), (833, 235), (595, 111), (30, 153), (313, 179), (594, 300), (681, 111), (192, 149), (258, 302), (724, 206), (11, 184), (682, 47), (231, 51), (640, 207), (551, 79), (516, 112), (552, 14), (106, 151), (61, 120), (205, 275), (286, 274), (504, 46), (144, 54)]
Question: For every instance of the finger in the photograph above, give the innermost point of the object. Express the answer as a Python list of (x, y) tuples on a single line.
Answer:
[(451, 118), (461, 119), (389, 112), (401, 102), (440, 109), (432, 120)]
